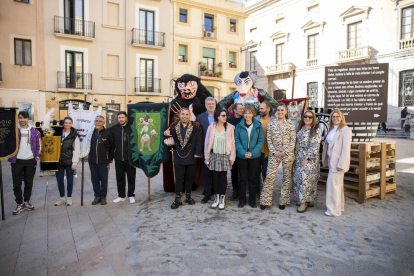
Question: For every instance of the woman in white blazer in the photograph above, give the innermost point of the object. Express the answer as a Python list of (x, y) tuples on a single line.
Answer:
[(337, 156)]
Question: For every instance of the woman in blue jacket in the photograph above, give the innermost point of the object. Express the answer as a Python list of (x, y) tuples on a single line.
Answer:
[(249, 139)]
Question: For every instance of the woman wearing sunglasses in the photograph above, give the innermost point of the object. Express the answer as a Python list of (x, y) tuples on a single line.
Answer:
[(337, 156), (306, 166), (219, 153)]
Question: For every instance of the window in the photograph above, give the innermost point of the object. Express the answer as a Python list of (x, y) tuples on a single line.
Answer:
[(232, 60), (74, 70), (183, 15), (354, 35), (73, 11), (233, 23), (146, 26), (210, 89), (253, 61), (313, 94), (209, 23), (182, 53), (112, 66), (407, 23), (146, 71), (23, 1), (22, 52), (113, 14), (279, 53), (209, 56), (313, 46), (406, 87)]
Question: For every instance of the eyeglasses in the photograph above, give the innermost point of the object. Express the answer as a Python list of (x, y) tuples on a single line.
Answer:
[(307, 117), (337, 117), (223, 115)]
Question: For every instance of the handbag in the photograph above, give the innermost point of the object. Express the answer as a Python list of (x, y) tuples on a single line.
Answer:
[(169, 141)]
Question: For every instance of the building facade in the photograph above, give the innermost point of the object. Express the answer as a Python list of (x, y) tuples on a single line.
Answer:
[(305, 36), (207, 37), (22, 56)]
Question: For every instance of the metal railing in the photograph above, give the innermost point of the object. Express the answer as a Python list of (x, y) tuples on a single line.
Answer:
[(72, 26), (355, 54), (147, 85), (147, 37), (311, 62), (279, 68), (407, 43), (214, 70), (74, 80)]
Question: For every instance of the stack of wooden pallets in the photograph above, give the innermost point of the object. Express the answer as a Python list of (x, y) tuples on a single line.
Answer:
[(372, 173)]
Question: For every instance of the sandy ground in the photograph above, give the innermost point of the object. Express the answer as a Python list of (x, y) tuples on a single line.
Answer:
[(148, 238)]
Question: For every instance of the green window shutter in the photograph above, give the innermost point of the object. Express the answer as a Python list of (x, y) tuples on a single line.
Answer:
[(231, 57), (210, 89), (183, 11), (209, 53), (233, 21), (181, 50)]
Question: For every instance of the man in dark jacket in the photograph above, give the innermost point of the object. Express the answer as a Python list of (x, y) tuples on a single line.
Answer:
[(404, 114), (24, 162), (121, 133), (188, 147), (100, 155)]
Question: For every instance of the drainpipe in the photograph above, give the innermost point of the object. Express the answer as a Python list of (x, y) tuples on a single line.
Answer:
[(126, 55)]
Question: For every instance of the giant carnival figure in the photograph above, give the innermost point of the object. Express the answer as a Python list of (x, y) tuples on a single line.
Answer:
[(247, 93), (191, 94)]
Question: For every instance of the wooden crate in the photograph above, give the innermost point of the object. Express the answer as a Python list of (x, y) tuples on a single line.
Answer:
[(372, 172)]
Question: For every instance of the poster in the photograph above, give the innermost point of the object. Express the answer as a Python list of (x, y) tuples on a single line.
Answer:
[(8, 133), (23, 106)]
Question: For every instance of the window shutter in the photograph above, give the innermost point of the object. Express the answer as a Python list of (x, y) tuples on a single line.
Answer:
[(209, 53), (231, 57), (181, 50), (233, 21), (183, 11)]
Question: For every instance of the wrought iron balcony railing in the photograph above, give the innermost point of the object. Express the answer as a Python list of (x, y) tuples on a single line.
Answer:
[(210, 70), (145, 37), (72, 26), (147, 85), (74, 80)]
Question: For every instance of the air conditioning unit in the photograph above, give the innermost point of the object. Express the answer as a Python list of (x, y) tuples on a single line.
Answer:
[(209, 34)]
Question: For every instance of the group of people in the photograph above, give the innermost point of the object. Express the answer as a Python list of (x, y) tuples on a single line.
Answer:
[(106, 145), (252, 148)]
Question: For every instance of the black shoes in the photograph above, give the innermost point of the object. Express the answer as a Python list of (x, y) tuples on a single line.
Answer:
[(206, 199), (188, 199), (177, 202), (253, 205), (234, 196), (282, 207), (262, 207), (241, 205)]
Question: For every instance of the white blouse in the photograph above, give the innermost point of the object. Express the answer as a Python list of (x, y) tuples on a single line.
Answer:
[(329, 138)]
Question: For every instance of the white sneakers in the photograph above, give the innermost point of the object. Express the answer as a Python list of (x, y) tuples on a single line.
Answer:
[(216, 201), (119, 199), (69, 201), (131, 199), (219, 201), (221, 204), (75, 176), (61, 201)]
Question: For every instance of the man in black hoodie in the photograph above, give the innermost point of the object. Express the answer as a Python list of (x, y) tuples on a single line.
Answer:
[(121, 133), (100, 155)]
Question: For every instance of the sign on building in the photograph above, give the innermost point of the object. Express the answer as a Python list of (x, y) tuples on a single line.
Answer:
[(359, 91)]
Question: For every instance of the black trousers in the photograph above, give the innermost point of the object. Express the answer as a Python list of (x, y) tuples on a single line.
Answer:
[(248, 177), (28, 169), (122, 168), (208, 181), (99, 177), (235, 177), (220, 182), (184, 173)]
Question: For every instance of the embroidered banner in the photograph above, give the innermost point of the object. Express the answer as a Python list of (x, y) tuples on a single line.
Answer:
[(8, 132), (148, 122), (83, 122)]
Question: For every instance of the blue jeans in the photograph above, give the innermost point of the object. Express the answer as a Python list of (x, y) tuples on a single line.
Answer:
[(99, 177), (261, 173), (60, 182)]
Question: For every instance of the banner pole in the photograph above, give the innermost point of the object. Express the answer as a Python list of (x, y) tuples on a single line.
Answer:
[(83, 177), (149, 184), (1, 195)]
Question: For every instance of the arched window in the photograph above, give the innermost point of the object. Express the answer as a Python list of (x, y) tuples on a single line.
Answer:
[(406, 88)]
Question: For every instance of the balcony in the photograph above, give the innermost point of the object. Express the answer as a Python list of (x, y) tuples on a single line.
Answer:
[(68, 81), (74, 28), (214, 70), (147, 85), (280, 68), (407, 43), (148, 39), (356, 54), (311, 62)]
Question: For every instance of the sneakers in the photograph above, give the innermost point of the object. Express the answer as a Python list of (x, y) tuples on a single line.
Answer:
[(131, 199), (75, 176), (69, 201), (41, 174), (28, 206), (216, 201), (60, 201), (19, 209), (221, 204), (96, 201), (119, 199), (103, 201)]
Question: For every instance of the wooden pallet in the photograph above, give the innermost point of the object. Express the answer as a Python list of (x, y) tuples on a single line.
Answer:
[(372, 171)]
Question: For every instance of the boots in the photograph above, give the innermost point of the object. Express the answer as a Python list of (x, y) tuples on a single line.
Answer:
[(188, 199), (302, 208), (216, 201), (222, 199), (177, 201)]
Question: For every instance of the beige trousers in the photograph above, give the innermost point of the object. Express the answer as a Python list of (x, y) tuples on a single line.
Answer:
[(335, 199)]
